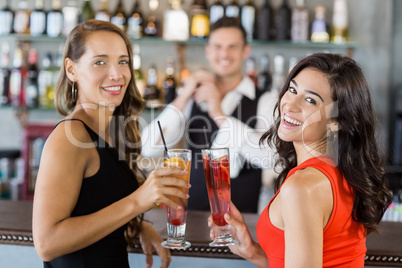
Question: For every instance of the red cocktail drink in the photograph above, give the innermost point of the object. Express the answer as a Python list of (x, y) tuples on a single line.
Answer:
[(217, 174)]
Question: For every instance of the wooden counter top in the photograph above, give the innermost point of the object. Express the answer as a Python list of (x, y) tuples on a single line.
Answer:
[(384, 249)]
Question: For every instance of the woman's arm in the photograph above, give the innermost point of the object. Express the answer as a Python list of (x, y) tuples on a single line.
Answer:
[(62, 169), (306, 204)]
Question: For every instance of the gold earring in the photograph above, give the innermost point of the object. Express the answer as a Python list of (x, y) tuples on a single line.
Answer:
[(74, 92)]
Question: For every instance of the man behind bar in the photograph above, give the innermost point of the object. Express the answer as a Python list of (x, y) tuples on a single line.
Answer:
[(220, 109)]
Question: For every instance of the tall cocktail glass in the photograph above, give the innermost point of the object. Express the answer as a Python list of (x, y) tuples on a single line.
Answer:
[(176, 218), (217, 174)]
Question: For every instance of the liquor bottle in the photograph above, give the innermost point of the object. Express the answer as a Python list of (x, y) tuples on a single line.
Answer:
[(103, 12), (264, 78), (152, 92), (71, 15), (169, 84), (319, 27), (47, 81), (232, 9), (216, 11), (250, 69), (247, 15), (21, 18), (300, 22), (87, 12), (4, 75), (265, 22), (119, 17), (55, 20), (18, 77), (38, 19), (278, 76), (340, 22), (283, 21), (176, 23), (32, 86), (6, 19), (135, 22), (200, 19), (152, 27), (139, 77)]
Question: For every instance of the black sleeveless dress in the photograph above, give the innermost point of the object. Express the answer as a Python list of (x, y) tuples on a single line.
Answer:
[(113, 181)]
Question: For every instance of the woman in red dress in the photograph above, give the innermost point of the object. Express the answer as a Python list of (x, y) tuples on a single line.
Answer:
[(332, 190)]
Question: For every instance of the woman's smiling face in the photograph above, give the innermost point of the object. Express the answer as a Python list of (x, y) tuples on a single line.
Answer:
[(102, 72), (306, 108)]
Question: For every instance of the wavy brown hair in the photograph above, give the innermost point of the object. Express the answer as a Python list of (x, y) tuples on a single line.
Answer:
[(125, 115), (357, 153)]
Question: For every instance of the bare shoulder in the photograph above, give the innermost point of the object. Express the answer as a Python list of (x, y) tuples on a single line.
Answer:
[(69, 139), (306, 183), (71, 133)]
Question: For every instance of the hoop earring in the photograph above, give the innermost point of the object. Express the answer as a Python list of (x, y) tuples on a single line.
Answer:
[(74, 92)]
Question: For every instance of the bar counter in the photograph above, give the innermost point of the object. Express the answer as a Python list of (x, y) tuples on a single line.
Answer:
[(383, 249)]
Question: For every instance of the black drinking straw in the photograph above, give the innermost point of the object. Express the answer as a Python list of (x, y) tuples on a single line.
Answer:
[(163, 138)]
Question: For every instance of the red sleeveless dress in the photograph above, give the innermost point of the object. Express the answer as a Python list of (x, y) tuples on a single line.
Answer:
[(344, 239)]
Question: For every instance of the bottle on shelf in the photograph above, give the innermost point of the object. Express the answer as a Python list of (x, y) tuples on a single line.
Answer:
[(18, 76), (319, 27), (176, 23), (71, 16), (264, 77), (340, 22), (32, 85), (247, 15), (300, 22), (119, 16), (21, 18), (47, 81), (38, 19), (292, 63), (55, 20), (152, 92), (279, 74), (199, 20), (283, 21), (5, 75), (216, 11), (135, 22), (139, 77), (250, 68), (6, 19), (87, 11), (265, 22), (169, 84), (103, 12), (152, 27), (232, 9)]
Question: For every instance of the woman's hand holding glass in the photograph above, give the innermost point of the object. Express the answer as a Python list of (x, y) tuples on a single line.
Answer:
[(247, 248), (160, 184)]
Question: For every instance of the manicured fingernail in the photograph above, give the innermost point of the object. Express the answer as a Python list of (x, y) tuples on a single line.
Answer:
[(187, 195), (178, 207)]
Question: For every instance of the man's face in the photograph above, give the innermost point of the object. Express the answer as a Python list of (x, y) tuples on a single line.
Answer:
[(226, 52)]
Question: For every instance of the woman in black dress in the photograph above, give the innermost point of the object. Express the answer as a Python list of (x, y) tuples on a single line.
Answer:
[(88, 199)]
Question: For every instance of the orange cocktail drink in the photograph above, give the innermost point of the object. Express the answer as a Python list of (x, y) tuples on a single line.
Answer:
[(176, 218)]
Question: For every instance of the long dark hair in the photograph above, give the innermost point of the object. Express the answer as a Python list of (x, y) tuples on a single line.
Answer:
[(127, 141), (357, 153)]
